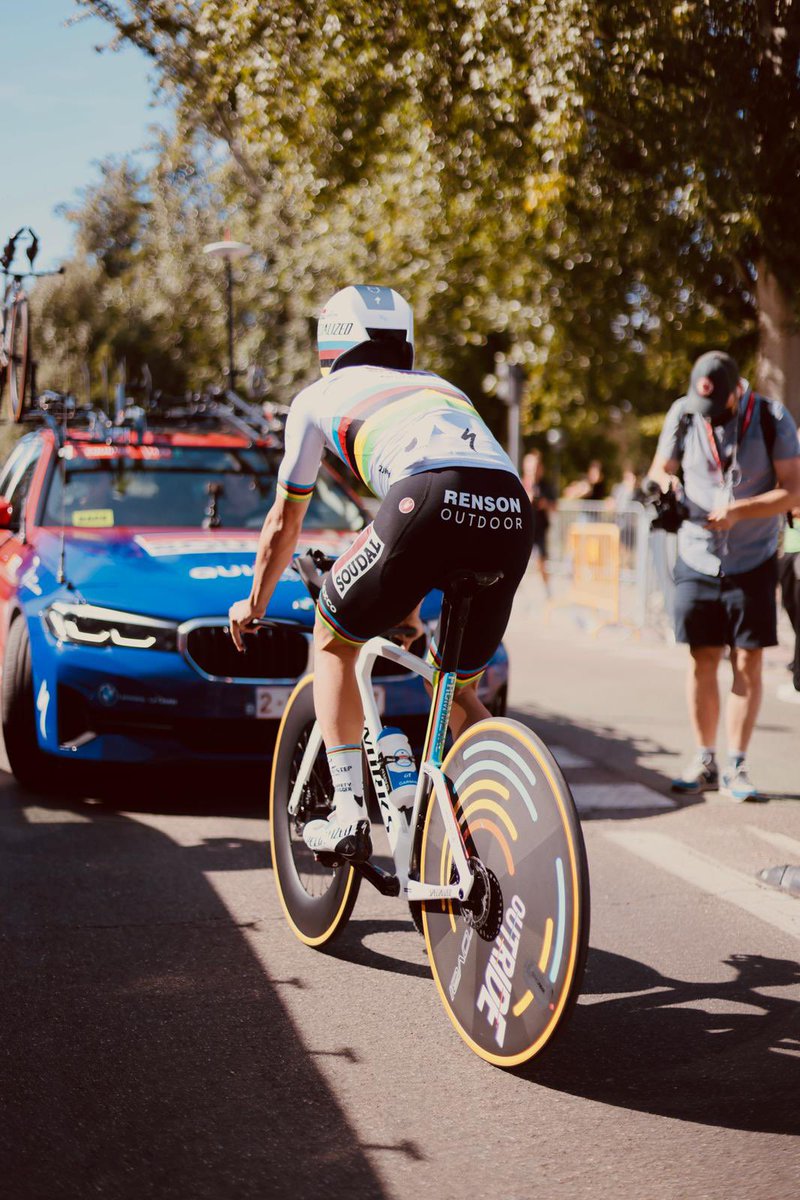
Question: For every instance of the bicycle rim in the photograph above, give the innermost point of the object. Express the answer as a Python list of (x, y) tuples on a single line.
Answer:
[(18, 358), (317, 901), (509, 975)]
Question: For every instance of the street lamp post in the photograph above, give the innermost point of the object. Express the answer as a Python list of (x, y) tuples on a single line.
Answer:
[(555, 440), (228, 251), (510, 383)]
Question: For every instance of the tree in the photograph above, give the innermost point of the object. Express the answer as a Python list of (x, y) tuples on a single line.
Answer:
[(692, 116), (597, 190)]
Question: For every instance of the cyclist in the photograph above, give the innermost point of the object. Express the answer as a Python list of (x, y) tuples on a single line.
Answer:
[(451, 499)]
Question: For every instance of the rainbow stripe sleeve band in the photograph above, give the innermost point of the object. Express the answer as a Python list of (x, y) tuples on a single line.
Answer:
[(295, 491)]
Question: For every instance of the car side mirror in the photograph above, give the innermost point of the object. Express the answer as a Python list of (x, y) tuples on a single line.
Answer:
[(6, 513)]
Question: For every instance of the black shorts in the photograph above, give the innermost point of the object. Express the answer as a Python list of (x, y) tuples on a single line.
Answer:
[(540, 542), (461, 518), (727, 610)]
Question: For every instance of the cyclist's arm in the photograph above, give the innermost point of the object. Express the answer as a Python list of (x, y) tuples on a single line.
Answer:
[(276, 545)]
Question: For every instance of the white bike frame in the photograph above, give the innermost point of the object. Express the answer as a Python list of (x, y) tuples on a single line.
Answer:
[(399, 827)]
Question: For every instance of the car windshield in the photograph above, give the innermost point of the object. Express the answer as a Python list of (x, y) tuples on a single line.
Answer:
[(206, 487)]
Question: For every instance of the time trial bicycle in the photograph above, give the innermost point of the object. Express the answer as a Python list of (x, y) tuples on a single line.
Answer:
[(17, 369), (490, 858)]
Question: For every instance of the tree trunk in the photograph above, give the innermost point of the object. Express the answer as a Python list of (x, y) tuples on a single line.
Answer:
[(778, 368)]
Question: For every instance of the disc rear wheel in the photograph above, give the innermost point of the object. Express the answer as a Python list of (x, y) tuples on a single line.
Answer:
[(508, 963), (316, 899)]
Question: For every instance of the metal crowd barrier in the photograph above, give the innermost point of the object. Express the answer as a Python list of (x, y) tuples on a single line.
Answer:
[(604, 558)]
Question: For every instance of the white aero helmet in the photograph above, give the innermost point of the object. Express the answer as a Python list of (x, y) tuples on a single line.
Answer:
[(360, 314)]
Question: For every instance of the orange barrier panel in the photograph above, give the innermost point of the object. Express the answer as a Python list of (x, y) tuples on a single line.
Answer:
[(595, 554)]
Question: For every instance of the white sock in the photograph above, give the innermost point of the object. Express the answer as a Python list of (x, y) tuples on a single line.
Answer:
[(347, 774)]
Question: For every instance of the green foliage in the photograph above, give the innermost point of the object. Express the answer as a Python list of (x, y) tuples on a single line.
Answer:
[(590, 188)]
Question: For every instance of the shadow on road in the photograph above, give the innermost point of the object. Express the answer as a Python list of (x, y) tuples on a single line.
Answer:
[(146, 1052), (643, 1041), (603, 744), (351, 947), (190, 789)]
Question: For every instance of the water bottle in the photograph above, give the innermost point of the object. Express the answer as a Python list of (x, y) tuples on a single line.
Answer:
[(400, 766)]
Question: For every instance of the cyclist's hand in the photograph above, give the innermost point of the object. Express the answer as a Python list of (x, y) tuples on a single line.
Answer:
[(241, 616)]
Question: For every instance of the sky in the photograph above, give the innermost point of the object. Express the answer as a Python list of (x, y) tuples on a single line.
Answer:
[(63, 107)]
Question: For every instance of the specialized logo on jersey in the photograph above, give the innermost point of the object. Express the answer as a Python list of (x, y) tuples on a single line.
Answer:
[(365, 552), (406, 505)]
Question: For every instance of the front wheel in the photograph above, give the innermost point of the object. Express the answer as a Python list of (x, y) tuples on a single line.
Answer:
[(317, 900), (508, 964), (31, 767)]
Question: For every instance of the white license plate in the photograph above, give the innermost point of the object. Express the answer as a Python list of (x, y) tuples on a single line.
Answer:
[(270, 702)]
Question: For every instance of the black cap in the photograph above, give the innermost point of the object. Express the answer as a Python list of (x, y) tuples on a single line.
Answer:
[(714, 376)]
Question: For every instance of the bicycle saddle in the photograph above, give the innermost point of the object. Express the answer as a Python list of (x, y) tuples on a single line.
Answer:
[(467, 583)]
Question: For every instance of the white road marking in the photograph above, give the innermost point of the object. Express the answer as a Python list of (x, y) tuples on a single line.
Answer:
[(36, 815), (784, 843), (701, 871), (568, 760), (594, 797)]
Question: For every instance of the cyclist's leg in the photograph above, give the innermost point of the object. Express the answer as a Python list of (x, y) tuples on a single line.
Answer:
[(496, 537), (468, 708), (336, 695), (367, 590)]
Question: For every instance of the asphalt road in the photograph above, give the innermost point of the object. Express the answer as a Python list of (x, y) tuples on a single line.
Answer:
[(164, 1035)]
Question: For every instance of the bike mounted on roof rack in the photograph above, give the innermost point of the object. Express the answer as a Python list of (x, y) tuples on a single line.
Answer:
[(17, 364), (212, 411)]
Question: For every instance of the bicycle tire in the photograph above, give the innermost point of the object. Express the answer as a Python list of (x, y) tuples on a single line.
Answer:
[(19, 363), (508, 984), (317, 901)]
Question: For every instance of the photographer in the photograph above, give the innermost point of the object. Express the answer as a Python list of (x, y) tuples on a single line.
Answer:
[(740, 461)]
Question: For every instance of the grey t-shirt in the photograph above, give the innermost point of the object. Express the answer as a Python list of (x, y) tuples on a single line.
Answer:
[(748, 543)]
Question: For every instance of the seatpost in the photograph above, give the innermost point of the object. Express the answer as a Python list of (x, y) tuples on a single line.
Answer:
[(457, 601)]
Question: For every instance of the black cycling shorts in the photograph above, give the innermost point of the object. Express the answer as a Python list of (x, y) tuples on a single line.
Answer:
[(727, 610), (430, 524)]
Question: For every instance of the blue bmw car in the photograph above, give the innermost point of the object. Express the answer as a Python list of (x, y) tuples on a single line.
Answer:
[(121, 550)]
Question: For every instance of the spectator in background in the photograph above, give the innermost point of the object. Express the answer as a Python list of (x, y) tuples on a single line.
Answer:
[(543, 501), (591, 487), (627, 491), (740, 459), (789, 572)]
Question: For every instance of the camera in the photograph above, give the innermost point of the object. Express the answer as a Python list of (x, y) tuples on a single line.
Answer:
[(671, 511)]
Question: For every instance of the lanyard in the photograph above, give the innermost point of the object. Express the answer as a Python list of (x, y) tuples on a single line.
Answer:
[(743, 426)]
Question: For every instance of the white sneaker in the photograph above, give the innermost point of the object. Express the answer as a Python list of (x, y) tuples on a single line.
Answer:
[(699, 775), (736, 785), (349, 841), (789, 693)]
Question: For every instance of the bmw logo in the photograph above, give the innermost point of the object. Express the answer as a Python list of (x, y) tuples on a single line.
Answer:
[(107, 694)]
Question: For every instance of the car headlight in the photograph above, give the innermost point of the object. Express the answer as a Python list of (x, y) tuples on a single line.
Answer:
[(89, 625)]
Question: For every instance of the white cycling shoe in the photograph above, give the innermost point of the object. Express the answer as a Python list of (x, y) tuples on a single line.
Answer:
[(347, 840)]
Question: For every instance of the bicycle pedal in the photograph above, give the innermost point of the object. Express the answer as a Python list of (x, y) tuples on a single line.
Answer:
[(327, 859)]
